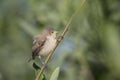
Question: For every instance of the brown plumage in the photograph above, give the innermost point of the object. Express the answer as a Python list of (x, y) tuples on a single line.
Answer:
[(44, 43)]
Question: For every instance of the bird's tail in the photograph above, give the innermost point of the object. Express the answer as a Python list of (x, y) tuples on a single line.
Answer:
[(29, 60)]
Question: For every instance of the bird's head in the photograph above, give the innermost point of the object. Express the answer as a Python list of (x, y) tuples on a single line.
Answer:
[(50, 32)]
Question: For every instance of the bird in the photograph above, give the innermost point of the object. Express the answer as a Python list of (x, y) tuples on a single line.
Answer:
[(44, 43)]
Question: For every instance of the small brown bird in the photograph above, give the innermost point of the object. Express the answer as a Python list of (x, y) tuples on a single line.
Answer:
[(44, 43)]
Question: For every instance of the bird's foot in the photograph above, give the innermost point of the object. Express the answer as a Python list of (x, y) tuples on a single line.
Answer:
[(44, 64), (60, 38)]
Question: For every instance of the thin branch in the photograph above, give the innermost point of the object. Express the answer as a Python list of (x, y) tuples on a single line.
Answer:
[(62, 35)]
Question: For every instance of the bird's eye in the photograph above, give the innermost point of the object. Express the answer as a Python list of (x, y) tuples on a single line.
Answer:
[(52, 32)]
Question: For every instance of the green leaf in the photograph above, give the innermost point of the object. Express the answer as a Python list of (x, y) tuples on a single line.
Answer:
[(35, 66), (42, 76), (37, 69), (55, 74)]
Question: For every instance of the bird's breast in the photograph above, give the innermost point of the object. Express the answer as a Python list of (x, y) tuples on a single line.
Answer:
[(48, 46)]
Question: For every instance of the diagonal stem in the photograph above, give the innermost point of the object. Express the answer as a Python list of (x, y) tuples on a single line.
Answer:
[(62, 35)]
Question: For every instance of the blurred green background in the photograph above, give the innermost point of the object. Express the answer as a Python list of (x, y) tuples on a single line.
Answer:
[(89, 51)]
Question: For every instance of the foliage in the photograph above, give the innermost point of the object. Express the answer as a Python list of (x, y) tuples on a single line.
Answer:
[(55, 74)]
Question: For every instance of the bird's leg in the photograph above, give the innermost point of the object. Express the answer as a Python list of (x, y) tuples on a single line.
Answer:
[(42, 62), (60, 38)]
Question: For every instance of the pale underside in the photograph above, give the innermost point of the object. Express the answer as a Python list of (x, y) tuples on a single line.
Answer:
[(48, 46)]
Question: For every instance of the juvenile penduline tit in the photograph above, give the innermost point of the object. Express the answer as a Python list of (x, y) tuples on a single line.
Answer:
[(44, 43)]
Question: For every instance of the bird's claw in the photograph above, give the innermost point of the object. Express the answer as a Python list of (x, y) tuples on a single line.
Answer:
[(60, 38), (44, 64)]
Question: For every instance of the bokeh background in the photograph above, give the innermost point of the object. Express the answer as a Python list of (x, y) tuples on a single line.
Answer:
[(89, 51)]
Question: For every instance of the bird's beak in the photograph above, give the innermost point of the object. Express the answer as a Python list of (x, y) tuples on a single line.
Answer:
[(56, 32)]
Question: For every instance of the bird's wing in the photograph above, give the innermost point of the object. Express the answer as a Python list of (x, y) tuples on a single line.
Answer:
[(37, 45)]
